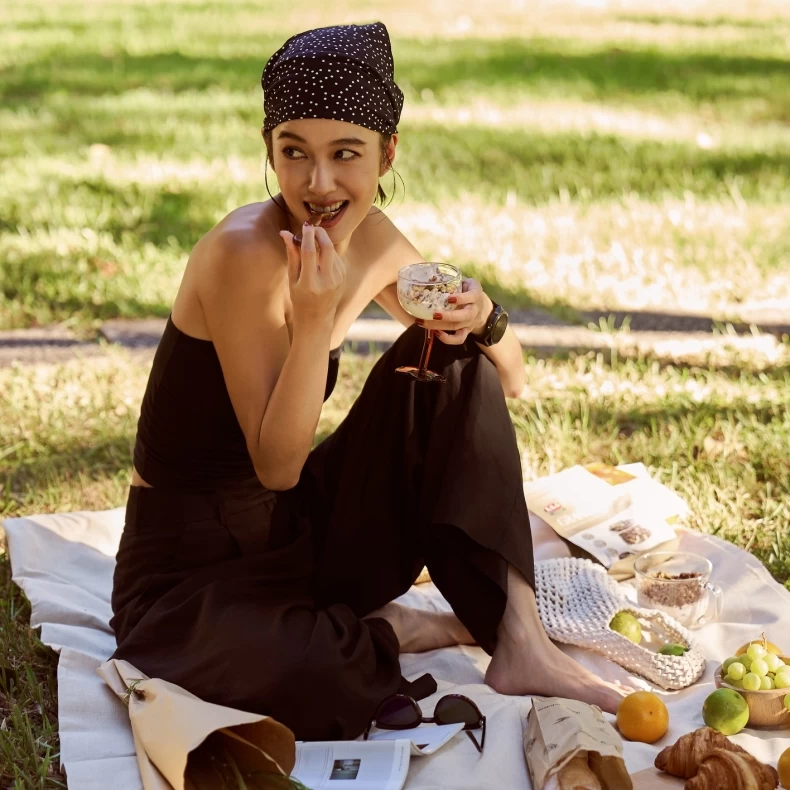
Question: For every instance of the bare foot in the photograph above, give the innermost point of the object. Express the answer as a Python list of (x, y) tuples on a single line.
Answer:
[(536, 666), (418, 630), (526, 661)]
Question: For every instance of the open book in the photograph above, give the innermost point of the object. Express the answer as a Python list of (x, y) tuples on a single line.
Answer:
[(380, 763), (611, 512)]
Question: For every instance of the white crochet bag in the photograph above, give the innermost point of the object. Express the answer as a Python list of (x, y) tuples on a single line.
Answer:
[(578, 599)]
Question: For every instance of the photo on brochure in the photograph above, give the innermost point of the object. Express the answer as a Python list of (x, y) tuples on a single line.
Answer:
[(345, 769), (631, 532)]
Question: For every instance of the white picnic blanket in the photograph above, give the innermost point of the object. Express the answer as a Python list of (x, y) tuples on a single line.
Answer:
[(64, 563)]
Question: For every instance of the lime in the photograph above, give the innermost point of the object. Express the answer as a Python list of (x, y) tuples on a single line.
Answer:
[(673, 650), (627, 625), (725, 710)]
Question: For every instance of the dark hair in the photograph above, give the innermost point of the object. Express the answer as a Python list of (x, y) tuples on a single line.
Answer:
[(381, 195)]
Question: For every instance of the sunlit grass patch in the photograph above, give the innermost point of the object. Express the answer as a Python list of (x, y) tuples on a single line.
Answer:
[(665, 255), (572, 155), (632, 254), (721, 438)]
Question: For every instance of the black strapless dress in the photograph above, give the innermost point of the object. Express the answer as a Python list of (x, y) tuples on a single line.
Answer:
[(253, 598)]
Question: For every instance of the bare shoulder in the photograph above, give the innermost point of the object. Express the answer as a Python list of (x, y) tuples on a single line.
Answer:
[(387, 250), (385, 246), (246, 241), (242, 254)]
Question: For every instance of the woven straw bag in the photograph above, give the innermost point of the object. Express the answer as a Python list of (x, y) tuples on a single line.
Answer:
[(578, 599)]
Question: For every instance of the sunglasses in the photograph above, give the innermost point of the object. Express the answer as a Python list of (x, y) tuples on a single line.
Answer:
[(401, 712)]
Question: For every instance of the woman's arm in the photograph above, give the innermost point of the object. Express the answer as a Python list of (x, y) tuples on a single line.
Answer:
[(290, 418), (276, 390), (506, 354)]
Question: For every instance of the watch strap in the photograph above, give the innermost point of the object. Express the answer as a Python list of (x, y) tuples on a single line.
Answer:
[(485, 338)]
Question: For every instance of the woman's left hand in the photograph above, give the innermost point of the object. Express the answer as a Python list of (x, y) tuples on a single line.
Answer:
[(469, 315)]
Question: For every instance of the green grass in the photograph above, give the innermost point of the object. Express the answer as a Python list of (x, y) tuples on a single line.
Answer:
[(131, 128), (29, 747), (721, 439), (571, 158)]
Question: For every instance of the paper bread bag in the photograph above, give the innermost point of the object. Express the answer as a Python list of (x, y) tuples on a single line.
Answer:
[(170, 725), (569, 745)]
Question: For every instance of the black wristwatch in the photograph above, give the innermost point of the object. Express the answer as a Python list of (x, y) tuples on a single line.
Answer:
[(495, 327)]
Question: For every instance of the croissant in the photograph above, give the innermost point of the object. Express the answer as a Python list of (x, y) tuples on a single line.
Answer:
[(683, 757), (733, 770)]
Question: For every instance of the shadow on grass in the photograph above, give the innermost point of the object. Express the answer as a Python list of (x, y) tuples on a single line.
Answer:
[(71, 463), (537, 166), (445, 67), (526, 306), (703, 22), (654, 321), (154, 215), (45, 291), (436, 163)]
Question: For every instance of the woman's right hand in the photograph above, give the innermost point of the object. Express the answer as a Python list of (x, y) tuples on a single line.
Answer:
[(316, 275)]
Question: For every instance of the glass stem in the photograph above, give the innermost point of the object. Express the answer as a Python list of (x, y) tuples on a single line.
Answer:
[(426, 350)]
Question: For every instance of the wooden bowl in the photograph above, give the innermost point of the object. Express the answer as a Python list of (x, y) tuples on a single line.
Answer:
[(766, 708)]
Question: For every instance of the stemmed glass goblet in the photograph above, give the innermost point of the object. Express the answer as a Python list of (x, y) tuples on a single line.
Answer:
[(423, 289)]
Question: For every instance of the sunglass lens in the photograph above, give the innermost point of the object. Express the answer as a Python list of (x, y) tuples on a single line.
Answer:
[(453, 710), (397, 712)]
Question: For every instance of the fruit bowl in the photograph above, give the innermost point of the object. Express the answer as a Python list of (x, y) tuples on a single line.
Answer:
[(766, 708)]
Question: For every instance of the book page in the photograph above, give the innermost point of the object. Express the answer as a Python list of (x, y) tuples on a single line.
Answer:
[(611, 512), (352, 765), (573, 499), (424, 740), (631, 532)]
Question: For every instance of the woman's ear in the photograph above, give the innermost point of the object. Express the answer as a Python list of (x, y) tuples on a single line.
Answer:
[(390, 154)]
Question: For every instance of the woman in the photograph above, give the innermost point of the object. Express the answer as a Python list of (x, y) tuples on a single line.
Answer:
[(260, 574)]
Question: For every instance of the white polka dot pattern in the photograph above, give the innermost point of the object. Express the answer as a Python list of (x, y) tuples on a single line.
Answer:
[(343, 73)]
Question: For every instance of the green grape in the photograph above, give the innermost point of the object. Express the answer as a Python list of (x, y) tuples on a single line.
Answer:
[(774, 662), (787, 701), (746, 661), (782, 680), (727, 661), (759, 667), (755, 651), (767, 684), (738, 684), (736, 671), (751, 682)]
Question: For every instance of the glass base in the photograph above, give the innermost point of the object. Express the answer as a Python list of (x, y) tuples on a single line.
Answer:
[(421, 375)]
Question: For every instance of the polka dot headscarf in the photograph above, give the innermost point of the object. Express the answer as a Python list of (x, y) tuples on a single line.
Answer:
[(343, 73)]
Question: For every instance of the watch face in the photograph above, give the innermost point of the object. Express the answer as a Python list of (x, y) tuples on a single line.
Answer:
[(498, 330)]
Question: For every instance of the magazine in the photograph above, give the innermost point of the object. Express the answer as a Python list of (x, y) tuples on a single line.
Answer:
[(380, 763), (612, 512)]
